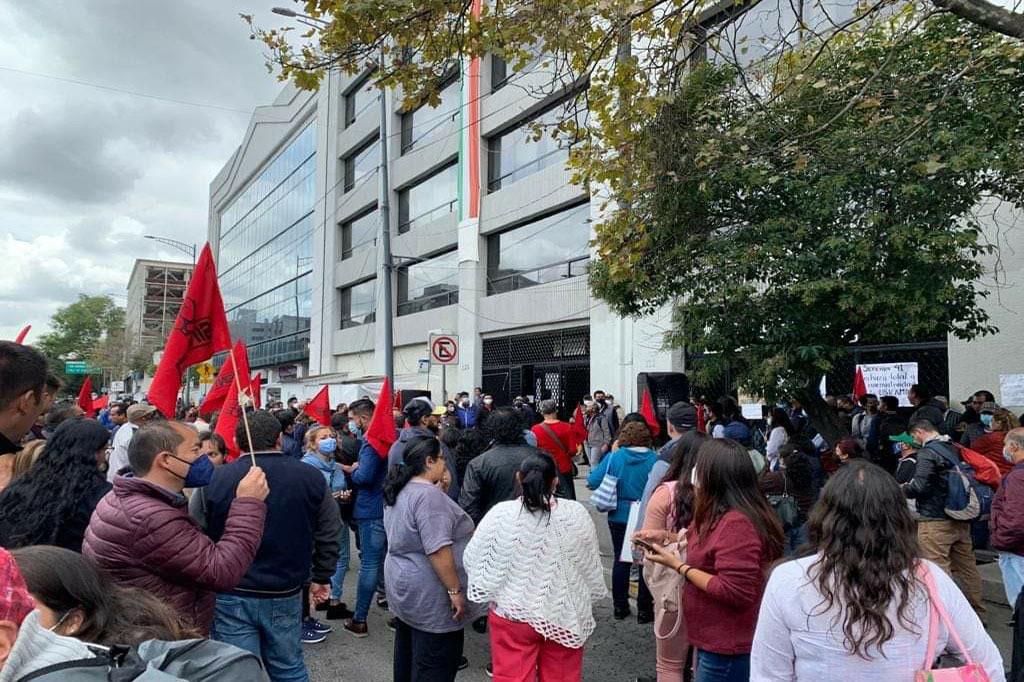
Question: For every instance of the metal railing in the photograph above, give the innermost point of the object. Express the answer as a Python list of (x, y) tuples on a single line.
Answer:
[(541, 275), (422, 303)]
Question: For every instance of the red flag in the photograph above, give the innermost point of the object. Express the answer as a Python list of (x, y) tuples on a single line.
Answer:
[(257, 385), (200, 330), (579, 426), (85, 396), (859, 387), (101, 403), (647, 410), (702, 425), (231, 413), (398, 401), (381, 433), (319, 408), (225, 381), (22, 334)]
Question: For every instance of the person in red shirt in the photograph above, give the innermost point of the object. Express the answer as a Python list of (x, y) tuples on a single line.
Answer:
[(557, 438), (997, 422), (733, 539)]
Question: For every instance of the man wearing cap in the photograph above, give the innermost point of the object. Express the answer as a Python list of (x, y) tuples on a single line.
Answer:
[(421, 416), (681, 417), (138, 415)]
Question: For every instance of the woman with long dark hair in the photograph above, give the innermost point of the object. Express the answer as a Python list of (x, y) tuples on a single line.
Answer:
[(732, 540), (781, 431), (77, 600), (51, 504), (427, 534), (669, 512), (855, 608), (536, 561)]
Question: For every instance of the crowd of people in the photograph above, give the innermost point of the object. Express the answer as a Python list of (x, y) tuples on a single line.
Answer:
[(761, 550)]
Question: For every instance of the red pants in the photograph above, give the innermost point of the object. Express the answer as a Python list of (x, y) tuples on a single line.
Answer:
[(521, 654)]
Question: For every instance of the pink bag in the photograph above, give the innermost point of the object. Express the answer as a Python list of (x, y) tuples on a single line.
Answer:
[(972, 672)]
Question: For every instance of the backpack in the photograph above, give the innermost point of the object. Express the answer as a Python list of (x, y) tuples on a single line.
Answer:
[(966, 499), (785, 506), (194, 660), (666, 585)]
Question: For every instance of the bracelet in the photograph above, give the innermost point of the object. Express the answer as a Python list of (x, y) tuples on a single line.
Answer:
[(680, 570), (686, 573), (452, 593)]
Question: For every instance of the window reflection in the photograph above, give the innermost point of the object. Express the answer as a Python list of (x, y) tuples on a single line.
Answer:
[(359, 233), (428, 200), (434, 283), (359, 304), (362, 163), (516, 154), (545, 250), (429, 123)]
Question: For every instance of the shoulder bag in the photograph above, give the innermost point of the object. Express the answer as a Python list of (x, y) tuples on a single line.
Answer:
[(971, 672), (606, 497)]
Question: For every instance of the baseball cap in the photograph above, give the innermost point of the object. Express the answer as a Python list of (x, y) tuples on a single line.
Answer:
[(906, 439), (682, 415), (988, 407), (15, 601), (138, 411)]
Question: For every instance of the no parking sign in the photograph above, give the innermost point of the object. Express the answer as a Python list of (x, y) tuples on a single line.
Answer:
[(444, 349)]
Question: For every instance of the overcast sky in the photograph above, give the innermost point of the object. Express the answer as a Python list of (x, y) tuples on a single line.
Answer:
[(84, 171)]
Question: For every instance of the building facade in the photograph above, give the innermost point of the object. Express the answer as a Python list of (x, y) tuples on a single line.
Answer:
[(155, 291), (490, 241)]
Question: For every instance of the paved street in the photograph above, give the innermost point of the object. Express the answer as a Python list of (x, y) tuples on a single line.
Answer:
[(619, 651)]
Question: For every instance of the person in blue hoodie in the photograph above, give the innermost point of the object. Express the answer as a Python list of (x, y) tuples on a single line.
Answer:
[(321, 452), (631, 463)]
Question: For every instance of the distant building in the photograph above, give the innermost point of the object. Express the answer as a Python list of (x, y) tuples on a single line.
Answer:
[(155, 291)]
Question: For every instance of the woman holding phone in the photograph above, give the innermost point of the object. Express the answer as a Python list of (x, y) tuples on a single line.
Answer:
[(733, 539)]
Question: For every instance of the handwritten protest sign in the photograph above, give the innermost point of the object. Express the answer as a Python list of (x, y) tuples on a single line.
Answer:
[(891, 378)]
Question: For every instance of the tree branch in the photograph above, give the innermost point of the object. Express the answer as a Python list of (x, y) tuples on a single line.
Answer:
[(986, 14)]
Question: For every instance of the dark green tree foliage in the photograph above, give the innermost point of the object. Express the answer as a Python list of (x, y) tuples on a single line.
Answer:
[(786, 226), (81, 328)]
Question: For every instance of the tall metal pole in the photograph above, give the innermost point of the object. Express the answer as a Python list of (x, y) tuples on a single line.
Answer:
[(384, 205)]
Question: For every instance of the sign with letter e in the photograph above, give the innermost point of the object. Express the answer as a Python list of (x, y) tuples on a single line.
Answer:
[(444, 349)]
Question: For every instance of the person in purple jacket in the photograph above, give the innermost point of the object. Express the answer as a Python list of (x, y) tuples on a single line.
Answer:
[(141, 533), (1006, 524)]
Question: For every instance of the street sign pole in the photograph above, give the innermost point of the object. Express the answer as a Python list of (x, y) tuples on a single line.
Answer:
[(444, 383)]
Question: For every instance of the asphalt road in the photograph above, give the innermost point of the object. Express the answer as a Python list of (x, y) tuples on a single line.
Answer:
[(618, 651)]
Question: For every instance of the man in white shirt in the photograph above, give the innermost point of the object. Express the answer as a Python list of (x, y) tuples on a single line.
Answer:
[(137, 416)]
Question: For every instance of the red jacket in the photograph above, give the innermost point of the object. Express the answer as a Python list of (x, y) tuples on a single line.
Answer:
[(142, 536), (1006, 525), (991, 445), (722, 620), (568, 439)]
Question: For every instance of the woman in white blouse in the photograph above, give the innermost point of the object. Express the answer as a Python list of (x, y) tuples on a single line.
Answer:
[(781, 431), (536, 561), (856, 608)]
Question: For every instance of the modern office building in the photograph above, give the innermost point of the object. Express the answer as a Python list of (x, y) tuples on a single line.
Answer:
[(155, 291), (490, 241)]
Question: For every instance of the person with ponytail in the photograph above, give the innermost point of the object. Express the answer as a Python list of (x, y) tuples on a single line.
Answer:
[(427, 534), (536, 561)]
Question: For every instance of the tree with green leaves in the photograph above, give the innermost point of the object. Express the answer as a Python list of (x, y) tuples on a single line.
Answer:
[(848, 210), (87, 329)]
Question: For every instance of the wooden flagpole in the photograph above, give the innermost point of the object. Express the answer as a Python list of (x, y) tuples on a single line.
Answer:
[(245, 418)]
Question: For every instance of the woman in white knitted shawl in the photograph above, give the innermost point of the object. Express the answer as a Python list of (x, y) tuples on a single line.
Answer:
[(535, 560)]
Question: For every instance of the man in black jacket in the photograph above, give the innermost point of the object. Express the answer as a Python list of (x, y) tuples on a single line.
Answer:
[(491, 477), (942, 539), (264, 613)]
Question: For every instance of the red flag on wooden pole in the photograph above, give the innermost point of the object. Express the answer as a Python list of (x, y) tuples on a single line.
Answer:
[(381, 434), (225, 381), (860, 389), (200, 330), (647, 410), (22, 334), (579, 426), (257, 386), (85, 396), (234, 404), (319, 408)]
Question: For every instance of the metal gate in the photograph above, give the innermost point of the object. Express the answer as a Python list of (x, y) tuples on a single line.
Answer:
[(547, 365)]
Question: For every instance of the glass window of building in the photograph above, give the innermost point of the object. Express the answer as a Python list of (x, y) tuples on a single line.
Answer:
[(359, 233), (265, 257), (362, 163), (514, 154), (359, 98), (427, 123), (429, 199), (359, 304), (499, 73), (545, 250), (433, 283)]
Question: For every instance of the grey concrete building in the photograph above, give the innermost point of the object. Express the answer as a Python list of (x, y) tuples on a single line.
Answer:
[(155, 291)]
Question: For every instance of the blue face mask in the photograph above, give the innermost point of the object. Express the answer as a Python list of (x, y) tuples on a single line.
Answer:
[(354, 429), (1007, 456), (986, 419), (328, 446), (200, 472)]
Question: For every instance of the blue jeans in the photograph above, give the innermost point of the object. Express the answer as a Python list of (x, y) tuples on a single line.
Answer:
[(1012, 567), (712, 667), (372, 545), (795, 537), (269, 628), (338, 579)]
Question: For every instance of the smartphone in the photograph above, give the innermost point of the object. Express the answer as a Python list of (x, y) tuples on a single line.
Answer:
[(643, 544)]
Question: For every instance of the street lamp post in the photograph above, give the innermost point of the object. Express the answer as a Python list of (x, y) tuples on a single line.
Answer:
[(185, 247)]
